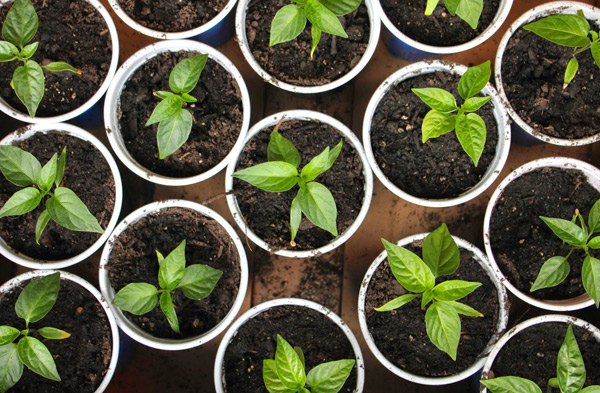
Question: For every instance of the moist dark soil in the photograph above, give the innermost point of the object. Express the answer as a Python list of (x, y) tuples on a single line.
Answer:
[(532, 77), (69, 31), (521, 241), (290, 61), (320, 339), (81, 360), (267, 214), (172, 16), (401, 335), (439, 168), (86, 173), (133, 259), (532, 354), (439, 29), (217, 116)]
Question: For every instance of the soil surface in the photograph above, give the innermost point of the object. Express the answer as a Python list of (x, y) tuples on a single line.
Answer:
[(401, 334), (86, 173), (320, 339), (217, 116), (439, 29), (267, 214), (522, 242), (69, 31), (532, 77), (81, 360), (133, 259), (439, 168), (172, 16), (290, 61)]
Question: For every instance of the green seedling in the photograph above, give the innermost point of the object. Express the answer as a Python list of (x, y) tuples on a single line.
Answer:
[(570, 374), (280, 174), (440, 257), (28, 80), (34, 302), (174, 121), (470, 127), (62, 205), (579, 237), (195, 281), (323, 15), (571, 31), (467, 10), (286, 373)]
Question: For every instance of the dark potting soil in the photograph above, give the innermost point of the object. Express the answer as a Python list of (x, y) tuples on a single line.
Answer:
[(267, 214), (86, 173), (520, 240), (440, 28), (290, 61), (401, 335), (532, 354), (69, 31), (532, 77), (133, 259), (172, 16), (217, 116), (320, 339), (439, 168), (81, 360)]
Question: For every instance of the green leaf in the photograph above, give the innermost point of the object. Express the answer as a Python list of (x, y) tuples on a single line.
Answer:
[(325, 20), (162, 94), (199, 281), (595, 49), (436, 124), (21, 202), (591, 389), (426, 298), (440, 252), (318, 206), (315, 34), (70, 212), (173, 133), (594, 218), (287, 24), (471, 133), (463, 309), (11, 367), (567, 231), (28, 82), (37, 358), (552, 273), (397, 302), (454, 289), (511, 385), (48, 174), (295, 217), (53, 334), (570, 369), (188, 98), (21, 23), (451, 6), (443, 327), (19, 167), (40, 225), (273, 176), (186, 73), (474, 80), (38, 298), (470, 11), (172, 268), (594, 243), (300, 355), (553, 382), (437, 99), (289, 366), (335, 153), (61, 66), (431, 4), (165, 109), (282, 149), (29, 50), (166, 305), (136, 298), (60, 167), (8, 334), (590, 276), (472, 104), (570, 71), (341, 7), (329, 377), (566, 30), (410, 271), (316, 166), (8, 52), (271, 379)]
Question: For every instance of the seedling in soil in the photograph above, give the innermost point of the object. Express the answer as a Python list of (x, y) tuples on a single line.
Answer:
[(174, 121), (470, 127), (570, 374), (35, 301), (556, 269), (64, 207), (323, 15), (195, 281), (286, 373), (20, 26), (467, 10), (441, 257)]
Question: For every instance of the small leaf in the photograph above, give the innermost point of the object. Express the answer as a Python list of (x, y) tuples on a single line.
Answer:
[(21, 202), (300, 355), (471, 133), (454, 289), (19, 167), (335, 153), (165, 109), (173, 133), (162, 94), (474, 80), (451, 6), (563, 29), (443, 327), (552, 273), (60, 167), (329, 377), (426, 298), (463, 309), (595, 49), (570, 369), (166, 305), (325, 20), (48, 174), (136, 298), (571, 71), (591, 389), (431, 4), (315, 34), (8, 334), (437, 99), (470, 11), (472, 104), (282, 149), (11, 367), (410, 271), (70, 212), (289, 366), (316, 166), (40, 225), (188, 98), (590, 276), (287, 24), (318, 206), (553, 382), (21, 23), (273, 176), (436, 124), (440, 252), (566, 231), (61, 66), (53, 334), (172, 268), (271, 379), (185, 75), (341, 7), (594, 218), (594, 243), (28, 82), (199, 281), (511, 385), (38, 298), (8, 52), (295, 217), (397, 302), (37, 358)]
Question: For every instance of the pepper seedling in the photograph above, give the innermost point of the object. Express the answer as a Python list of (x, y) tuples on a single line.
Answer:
[(28, 82), (286, 373), (440, 257), (467, 10), (34, 302), (195, 281)]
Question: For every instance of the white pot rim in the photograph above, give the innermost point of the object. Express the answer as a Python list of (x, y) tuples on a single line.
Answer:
[(128, 68), (501, 324), (349, 136), (132, 329), (254, 311), (240, 32), (537, 12), (76, 132), (502, 123), (15, 281), (593, 175), (114, 62)]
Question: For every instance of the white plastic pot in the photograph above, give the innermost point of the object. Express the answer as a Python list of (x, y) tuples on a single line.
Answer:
[(76, 132), (502, 321), (219, 376), (135, 331), (593, 176), (502, 123), (266, 125), (112, 108)]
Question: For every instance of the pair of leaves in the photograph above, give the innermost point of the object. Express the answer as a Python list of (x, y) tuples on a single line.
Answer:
[(467, 10)]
